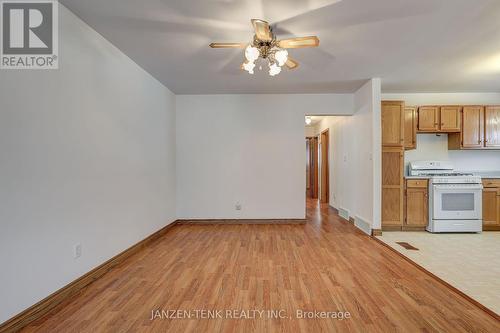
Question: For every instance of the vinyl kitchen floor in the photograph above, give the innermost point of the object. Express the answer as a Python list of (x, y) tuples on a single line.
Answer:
[(469, 262)]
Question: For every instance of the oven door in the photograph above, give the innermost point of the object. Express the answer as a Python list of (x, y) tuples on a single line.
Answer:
[(457, 202)]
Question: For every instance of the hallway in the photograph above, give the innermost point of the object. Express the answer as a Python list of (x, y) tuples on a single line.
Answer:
[(325, 265)]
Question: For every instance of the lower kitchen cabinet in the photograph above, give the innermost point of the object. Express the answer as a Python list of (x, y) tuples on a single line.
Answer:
[(416, 204), (491, 204), (392, 188)]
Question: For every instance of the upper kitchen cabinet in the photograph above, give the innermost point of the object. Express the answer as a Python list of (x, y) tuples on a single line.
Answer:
[(436, 119), (450, 119), (480, 129), (472, 132), (392, 123), (492, 127), (410, 128), (428, 118)]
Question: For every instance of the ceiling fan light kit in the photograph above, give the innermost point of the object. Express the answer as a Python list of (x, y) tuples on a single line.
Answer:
[(267, 47)]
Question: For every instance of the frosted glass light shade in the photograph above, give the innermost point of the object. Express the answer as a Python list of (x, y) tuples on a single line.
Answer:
[(249, 66), (281, 57), (252, 53), (274, 69)]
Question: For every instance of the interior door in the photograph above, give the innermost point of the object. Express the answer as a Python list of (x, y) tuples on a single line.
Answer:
[(308, 167), (428, 118), (492, 126), (450, 118), (473, 126), (325, 173), (313, 167)]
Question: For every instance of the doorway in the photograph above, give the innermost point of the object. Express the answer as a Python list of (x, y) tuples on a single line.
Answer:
[(325, 168), (312, 144)]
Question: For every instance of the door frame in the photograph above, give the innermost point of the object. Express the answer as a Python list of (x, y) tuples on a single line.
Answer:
[(325, 166)]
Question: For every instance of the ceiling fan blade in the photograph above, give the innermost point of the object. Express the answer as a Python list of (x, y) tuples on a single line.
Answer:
[(228, 45), (262, 30), (298, 42), (291, 64)]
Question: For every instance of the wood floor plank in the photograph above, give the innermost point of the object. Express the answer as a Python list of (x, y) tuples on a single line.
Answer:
[(325, 265)]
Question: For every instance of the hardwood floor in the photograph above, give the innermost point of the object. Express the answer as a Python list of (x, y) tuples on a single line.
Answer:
[(325, 265)]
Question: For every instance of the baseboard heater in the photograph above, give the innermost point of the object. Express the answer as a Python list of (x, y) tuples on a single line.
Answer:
[(361, 224), (344, 213)]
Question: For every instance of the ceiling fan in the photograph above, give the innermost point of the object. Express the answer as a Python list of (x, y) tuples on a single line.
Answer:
[(266, 46)]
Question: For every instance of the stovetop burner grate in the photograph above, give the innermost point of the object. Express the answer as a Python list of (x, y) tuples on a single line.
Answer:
[(454, 174)]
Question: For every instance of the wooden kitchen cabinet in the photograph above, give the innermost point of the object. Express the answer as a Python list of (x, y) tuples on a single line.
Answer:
[(416, 204), (428, 119), (450, 118), (480, 129), (472, 131), (410, 127), (491, 204), (392, 123), (492, 127), (439, 119), (392, 188)]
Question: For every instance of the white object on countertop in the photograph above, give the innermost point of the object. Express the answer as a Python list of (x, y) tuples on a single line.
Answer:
[(419, 168), (431, 165)]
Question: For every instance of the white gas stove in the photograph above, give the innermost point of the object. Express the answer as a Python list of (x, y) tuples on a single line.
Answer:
[(455, 199)]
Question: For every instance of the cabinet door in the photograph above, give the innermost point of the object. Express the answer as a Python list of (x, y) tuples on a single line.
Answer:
[(450, 118), (417, 211), (392, 124), (392, 187), (410, 130), (428, 118), (491, 198), (473, 126), (492, 126)]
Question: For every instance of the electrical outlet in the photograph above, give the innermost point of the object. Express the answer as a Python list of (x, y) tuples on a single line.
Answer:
[(77, 251), (237, 206)]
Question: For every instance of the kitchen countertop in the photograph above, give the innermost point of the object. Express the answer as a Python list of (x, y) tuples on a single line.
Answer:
[(487, 174)]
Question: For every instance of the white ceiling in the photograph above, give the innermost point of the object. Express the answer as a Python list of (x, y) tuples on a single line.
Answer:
[(413, 45), (315, 120)]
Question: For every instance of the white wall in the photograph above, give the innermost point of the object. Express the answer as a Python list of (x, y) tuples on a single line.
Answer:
[(248, 149), (432, 147), (355, 149), (87, 156)]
